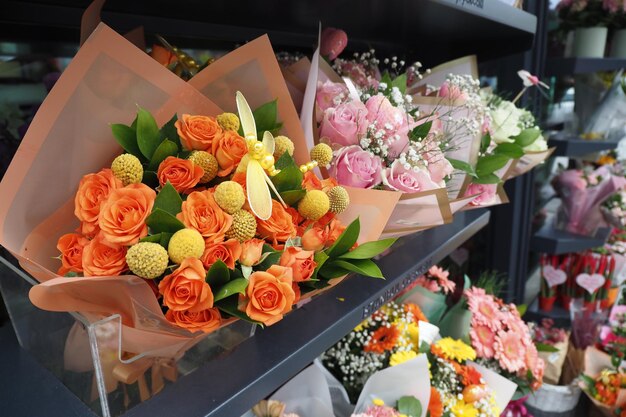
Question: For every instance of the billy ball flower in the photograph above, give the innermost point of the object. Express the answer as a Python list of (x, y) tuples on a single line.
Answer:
[(186, 243), (147, 260), (339, 199), (282, 144), (207, 162), (127, 168), (228, 121), (322, 154), (243, 227), (314, 205), (229, 196)]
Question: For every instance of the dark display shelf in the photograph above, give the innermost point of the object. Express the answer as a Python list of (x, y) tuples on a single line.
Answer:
[(553, 241), (560, 315), (574, 146), (430, 30), (570, 66), (230, 385)]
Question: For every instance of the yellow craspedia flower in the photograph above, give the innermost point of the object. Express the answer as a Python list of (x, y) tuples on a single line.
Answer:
[(186, 243), (322, 153), (147, 259), (207, 162), (462, 409), (314, 205), (456, 350), (339, 199), (228, 121), (401, 357), (127, 168), (378, 402), (282, 144), (243, 227), (229, 196)]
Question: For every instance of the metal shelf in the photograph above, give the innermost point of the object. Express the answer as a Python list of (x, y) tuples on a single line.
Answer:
[(553, 241), (391, 26), (570, 66), (574, 146), (560, 315), (231, 385)]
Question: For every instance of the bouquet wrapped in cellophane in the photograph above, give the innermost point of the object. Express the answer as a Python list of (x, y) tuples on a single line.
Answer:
[(180, 216)]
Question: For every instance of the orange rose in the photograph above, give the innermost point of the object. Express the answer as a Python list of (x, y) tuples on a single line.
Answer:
[(251, 252), (325, 220), (185, 288), (269, 295), (183, 174), (201, 212), (93, 190), (228, 150), (227, 252), (295, 215), (300, 261), (296, 290), (311, 182), (200, 321), (329, 183), (71, 246), (279, 227), (198, 132), (315, 238), (123, 215), (335, 230), (103, 259), (240, 178)]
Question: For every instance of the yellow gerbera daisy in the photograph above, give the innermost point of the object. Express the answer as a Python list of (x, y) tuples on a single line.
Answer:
[(455, 350), (462, 409), (401, 357)]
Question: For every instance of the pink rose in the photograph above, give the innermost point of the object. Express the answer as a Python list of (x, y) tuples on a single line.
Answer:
[(328, 95), (407, 180), (438, 166), (451, 92), (345, 123), (354, 167), (487, 197), (393, 121), (333, 42)]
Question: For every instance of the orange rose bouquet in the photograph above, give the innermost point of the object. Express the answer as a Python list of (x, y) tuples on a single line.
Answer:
[(219, 223)]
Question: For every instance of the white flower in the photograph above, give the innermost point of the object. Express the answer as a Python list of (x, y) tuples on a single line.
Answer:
[(539, 145), (505, 122)]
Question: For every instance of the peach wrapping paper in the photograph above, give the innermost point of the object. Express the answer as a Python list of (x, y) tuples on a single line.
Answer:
[(68, 138), (528, 162), (466, 65)]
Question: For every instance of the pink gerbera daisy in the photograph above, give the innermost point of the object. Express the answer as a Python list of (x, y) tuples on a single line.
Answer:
[(534, 363), (438, 273), (484, 309), (430, 285), (509, 351), (516, 325), (483, 338)]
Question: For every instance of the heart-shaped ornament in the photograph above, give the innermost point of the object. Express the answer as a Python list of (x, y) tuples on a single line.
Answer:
[(554, 276), (590, 282)]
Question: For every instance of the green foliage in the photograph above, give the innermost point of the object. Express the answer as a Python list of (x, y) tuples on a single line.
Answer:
[(410, 406), (148, 138), (127, 138), (511, 150), (490, 163), (169, 200), (369, 250), (527, 137), (487, 179), (218, 275), (346, 240), (265, 118), (420, 132), (543, 347), (230, 307), (462, 166), (169, 131), (162, 221), (236, 286), (165, 149)]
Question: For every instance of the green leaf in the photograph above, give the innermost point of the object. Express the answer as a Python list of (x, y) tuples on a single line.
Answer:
[(165, 149), (292, 197), (285, 161), (386, 79), (320, 259), (543, 347), (162, 221), (237, 286), (490, 163), (152, 238), (410, 406), (270, 260), (527, 137), (150, 178), (400, 82), (363, 267), (288, 179), (148, 137), (369, 250), (230, 306), (328, 271), (265, 117), (127, 138), (218, 275), (346, 240), (168, 200), (521, 309), (487, 179), (421, 131), (512, 150), (485, 141), (165, 239), (169, 131), (462, 166)]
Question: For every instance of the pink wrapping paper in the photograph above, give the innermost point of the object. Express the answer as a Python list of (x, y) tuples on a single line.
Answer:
[(69, 137)]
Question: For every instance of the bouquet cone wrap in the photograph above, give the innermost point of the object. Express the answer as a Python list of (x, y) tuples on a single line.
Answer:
[(594, 363), (433, 305), (456, 323), (554, 362), (503, 388), (466, 65), (528, 162)]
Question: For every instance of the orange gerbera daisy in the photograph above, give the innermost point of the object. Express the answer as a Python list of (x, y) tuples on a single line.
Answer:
[(469, 376), (383, 339), (435, 407), (415, 311), (436, 350)]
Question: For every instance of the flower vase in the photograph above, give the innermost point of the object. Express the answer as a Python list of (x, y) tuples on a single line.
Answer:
[(546, 303), (590, 42), (618, 44)]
